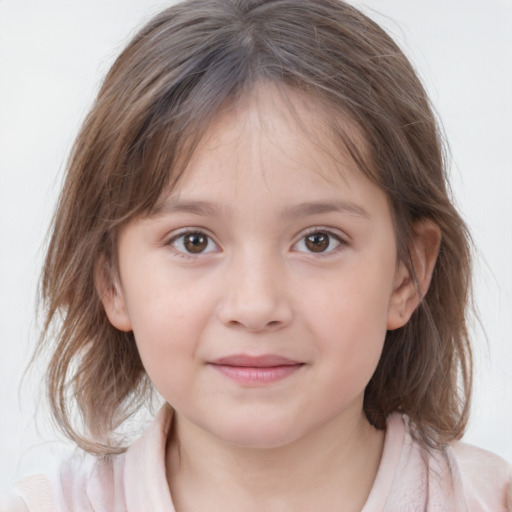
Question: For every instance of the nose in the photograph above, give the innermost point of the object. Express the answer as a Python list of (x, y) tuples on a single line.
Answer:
[(255, 295)]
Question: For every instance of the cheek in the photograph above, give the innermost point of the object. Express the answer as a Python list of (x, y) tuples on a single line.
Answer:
[(351, 321), (164, 303), (167, 323), (355, 302), (351, 351)]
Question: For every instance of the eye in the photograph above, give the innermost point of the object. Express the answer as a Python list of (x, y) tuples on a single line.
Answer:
[(193, 242), (318, 242)]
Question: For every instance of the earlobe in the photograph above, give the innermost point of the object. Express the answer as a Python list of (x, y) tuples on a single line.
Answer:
[(409, 289), (111, 296)]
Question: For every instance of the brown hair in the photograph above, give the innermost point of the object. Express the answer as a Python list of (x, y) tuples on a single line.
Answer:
[(155, 103)]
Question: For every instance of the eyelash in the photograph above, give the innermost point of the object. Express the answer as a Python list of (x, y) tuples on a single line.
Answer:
[(187, 254), (340, 241), (183, 252)]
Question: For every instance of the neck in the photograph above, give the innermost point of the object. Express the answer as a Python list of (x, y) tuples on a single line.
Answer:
[(337, 463)]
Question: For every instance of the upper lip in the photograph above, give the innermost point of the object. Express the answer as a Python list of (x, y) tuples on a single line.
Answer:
[(263, 361)]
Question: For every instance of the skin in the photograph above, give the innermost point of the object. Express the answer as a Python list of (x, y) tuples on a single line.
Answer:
[(258, 286)]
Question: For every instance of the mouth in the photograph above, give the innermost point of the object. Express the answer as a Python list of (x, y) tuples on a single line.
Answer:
[(256, 370)]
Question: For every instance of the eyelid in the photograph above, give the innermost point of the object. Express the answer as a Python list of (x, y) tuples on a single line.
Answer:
[(175, 235), (342, 239)]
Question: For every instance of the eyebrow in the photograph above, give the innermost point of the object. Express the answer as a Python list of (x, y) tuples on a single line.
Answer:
[(322, 207), (209, 209), (175, 205)]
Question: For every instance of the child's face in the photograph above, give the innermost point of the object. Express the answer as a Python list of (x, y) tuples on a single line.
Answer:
[(269, 249)]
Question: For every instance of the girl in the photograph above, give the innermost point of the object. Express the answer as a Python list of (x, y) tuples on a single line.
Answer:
[(255, 223)]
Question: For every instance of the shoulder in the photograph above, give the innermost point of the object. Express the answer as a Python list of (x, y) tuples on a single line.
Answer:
[(484, 477), (12, 503), (458, 478), (32, 493), (134, 480), (83, 483), (89, 483)]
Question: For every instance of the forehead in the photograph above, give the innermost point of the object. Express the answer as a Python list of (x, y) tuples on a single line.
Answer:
[(275, 127), (273, 145)]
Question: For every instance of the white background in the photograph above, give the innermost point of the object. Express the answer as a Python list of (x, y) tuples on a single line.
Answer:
[(53, 54)]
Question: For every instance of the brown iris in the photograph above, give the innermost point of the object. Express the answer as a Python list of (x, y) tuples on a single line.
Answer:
[(195, 242), (317, 242)]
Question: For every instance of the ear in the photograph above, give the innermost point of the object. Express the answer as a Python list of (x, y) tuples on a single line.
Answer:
[(409, 289), (111, 295)]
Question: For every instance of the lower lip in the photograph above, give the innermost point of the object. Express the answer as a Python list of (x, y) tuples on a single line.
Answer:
[(257, 375)]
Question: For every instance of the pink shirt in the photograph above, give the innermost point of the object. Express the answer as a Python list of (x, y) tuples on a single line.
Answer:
[(409, 479)]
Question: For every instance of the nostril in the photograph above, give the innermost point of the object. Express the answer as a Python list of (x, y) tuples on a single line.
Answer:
[(255, 327), (255, 312)]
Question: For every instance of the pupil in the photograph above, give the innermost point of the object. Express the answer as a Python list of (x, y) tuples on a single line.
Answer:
[(317, 242), (195, 242)]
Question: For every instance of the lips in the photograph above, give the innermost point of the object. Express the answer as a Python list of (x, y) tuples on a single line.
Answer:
[(264, 361), (256, 370)]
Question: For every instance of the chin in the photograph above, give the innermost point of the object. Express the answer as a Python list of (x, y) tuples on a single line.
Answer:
[(258, 434)]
